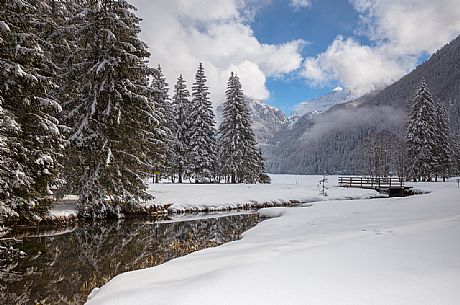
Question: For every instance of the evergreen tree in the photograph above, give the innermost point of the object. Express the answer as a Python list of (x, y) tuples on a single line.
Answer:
[(238, 153), (61, 32), (421, 135), (263, 176), (163, 105), (443, 148), (69, 19), (112, 115), (202, 138), (7, 205), (30, 134), (181, 131)]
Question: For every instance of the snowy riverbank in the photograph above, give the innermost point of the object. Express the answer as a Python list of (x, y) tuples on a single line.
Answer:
[(283, 190), (382, 251)]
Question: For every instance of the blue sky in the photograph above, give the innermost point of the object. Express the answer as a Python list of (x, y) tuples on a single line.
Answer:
[(289, 51), (318, 25)]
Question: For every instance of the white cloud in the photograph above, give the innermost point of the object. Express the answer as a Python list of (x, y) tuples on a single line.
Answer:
[(298, 4), (410, 26), (182, 33), (400, 31), (359, 68), (252, 78)]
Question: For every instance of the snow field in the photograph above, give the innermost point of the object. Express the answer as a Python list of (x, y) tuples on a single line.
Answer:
[(380, 251), (189, 197), (284, 188)]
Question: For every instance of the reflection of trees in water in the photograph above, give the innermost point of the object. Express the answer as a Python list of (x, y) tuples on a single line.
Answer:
[(63, 269)]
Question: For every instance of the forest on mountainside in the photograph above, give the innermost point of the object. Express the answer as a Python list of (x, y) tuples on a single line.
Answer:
[(334, 142)]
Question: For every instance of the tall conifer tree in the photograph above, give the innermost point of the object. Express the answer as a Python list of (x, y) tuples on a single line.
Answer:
[(421, 135), (30, 134), (181, 132), (164, 107), (202, 131), (443, 150), (238, 153), (112, 115)]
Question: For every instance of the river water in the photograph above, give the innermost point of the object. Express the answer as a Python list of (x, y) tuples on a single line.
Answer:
[(62, 266)]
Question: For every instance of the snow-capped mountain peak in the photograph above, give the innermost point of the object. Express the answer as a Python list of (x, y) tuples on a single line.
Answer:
[(337, 96), (267, 120), (337, 89)]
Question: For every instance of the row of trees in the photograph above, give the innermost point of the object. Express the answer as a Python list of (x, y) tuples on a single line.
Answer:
[(81, 112), (425, 153), (196, 150), (429, 151), (383, 154)]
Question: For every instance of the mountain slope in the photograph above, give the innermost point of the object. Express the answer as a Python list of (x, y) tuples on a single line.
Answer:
[(332, 142), (267, 120)]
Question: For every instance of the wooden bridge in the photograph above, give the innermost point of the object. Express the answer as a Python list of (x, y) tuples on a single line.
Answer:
[(393, 186)]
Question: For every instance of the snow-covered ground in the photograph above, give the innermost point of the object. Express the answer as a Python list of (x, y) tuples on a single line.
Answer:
[(283, 188), (215, 197), (380, 251)]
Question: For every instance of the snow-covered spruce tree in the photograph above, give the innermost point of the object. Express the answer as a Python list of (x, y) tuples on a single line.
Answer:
[(69, 22), (443, 149), (114, 123), (30, 134), (61, 31), (263, 176), (7, 126), (421, 136), (59, 34), (202, 133), (238, 153), (181, 131), (164, 107)]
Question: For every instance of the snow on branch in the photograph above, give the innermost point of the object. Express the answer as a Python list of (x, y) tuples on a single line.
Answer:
[(4, 26)]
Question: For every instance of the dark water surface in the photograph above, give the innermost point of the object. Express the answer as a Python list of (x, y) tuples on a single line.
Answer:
[(62, 266)]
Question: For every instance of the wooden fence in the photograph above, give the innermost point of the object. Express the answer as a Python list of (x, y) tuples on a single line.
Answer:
[(377, 183)]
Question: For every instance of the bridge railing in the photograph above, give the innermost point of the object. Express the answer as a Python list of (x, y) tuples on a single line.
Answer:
[(371, 182)]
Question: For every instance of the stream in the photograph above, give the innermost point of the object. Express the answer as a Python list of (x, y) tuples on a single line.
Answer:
[(63, 265)]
